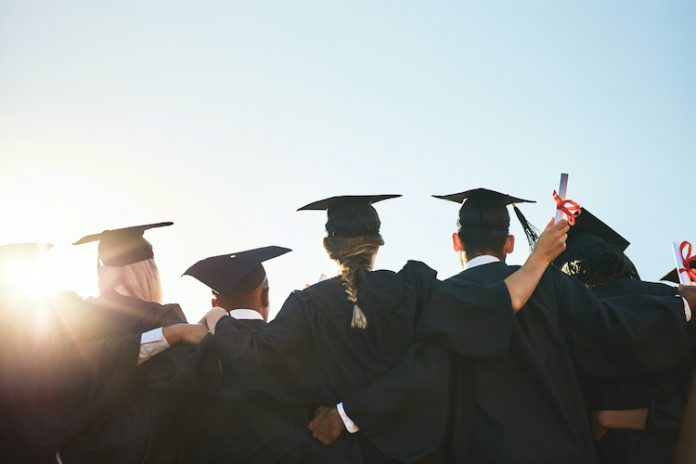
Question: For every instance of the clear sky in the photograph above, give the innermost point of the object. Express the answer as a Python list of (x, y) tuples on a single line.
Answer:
[(225, 117)]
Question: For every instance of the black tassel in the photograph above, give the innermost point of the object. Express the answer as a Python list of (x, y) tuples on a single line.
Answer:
[(530, 231)]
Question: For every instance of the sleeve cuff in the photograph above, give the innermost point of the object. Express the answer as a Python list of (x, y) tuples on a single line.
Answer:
[(152, 342), (687, 310), (351, 427), (151, 336)]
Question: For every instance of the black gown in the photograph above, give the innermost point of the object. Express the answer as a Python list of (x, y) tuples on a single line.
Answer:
[(230, 426), (664, 394), (309, 355), (85, 395), (525, 406)]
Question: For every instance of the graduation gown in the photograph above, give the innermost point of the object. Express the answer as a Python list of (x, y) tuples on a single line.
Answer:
[(664, 394), (522, 403), (528, 407), (85, 377), (234, 426), (309, 355)]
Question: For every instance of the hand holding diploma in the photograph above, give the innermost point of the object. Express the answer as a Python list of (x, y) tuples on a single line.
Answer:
[(563, 206)]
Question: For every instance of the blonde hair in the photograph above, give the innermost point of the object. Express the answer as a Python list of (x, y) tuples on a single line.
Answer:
[(354, 254), (140, 280)]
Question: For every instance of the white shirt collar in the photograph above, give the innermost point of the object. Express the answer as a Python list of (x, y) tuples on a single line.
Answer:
[(480, 261), (245, 314)]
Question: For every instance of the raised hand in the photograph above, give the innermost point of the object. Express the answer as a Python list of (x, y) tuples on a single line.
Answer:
[(185, 334), (552, 242), (688, 292)]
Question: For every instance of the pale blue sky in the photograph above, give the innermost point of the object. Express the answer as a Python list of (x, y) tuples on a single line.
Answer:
[(225, 117)]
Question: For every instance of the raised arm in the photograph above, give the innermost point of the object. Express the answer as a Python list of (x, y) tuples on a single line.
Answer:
[(624, 336), (551, 244)]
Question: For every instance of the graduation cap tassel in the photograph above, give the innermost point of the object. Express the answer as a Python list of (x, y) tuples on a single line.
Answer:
[(530, 231)]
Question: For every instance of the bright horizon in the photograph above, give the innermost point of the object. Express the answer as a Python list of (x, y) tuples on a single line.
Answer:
[(225, 117)]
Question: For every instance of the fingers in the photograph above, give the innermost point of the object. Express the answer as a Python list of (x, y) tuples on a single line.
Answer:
[(312, 425), (317, 432), (561, 225)]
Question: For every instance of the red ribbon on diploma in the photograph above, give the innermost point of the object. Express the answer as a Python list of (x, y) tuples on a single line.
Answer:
[(569, 207), (689, 260)]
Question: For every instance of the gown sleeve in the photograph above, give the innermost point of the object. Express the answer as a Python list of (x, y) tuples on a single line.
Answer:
[(152, 427), (405, 414), (71, 384), (276, 359), (623, 336)]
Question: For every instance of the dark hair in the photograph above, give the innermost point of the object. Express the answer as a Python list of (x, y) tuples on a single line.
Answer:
[(483, 230), (596, 262)]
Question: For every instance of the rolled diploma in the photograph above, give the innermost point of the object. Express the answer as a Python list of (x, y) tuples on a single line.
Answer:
[(562, 188), (683, 276)]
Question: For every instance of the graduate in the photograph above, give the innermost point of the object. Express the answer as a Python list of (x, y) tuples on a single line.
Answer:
[(230, 426), (106, 386), (525, 405), (635, 420), (336, 337)]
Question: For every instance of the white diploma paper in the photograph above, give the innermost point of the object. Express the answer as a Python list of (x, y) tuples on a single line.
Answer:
[(683, 277), (562, 188)]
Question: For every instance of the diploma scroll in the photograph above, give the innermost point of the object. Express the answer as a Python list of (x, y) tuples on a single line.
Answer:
[(562, 188), (684, 278)]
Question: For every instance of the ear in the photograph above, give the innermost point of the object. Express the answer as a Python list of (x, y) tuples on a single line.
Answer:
[(265, 303), (457, 243), (265, 299), (215, 303), (509, 245)]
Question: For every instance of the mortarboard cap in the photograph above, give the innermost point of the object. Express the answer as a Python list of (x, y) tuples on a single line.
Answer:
[(588, 223), (350, 215), (235, 272), (119, 247), (595, 252), (486, 210), (483, 197)]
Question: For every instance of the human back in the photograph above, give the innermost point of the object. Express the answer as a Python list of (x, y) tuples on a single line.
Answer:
[(351, 358), (335, 337), (526, 405)]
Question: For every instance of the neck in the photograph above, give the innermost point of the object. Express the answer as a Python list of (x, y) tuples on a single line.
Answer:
[(500, 256), (231, 306)]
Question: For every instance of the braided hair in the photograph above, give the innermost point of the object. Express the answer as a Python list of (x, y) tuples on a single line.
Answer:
[(355, 256)]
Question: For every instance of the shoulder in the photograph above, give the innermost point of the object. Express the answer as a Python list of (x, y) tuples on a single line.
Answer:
[(417, 267), (484, 273), (173, 313), (619, 287)]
